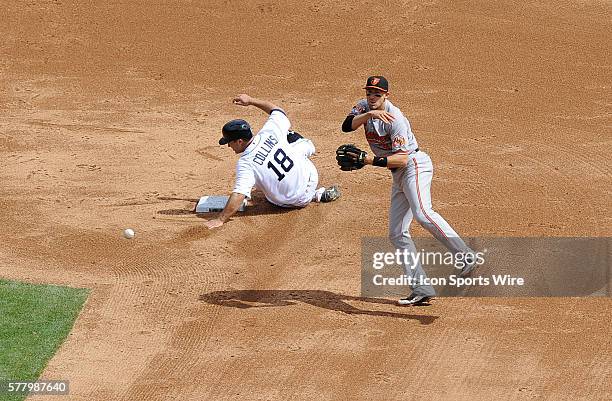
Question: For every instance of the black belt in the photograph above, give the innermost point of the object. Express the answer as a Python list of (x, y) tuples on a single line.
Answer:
[(414, 151)]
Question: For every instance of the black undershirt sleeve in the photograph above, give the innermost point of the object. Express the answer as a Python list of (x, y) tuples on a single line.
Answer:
[(347, 124)]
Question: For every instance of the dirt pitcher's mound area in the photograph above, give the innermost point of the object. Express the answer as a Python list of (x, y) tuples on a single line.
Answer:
[(111, 112)]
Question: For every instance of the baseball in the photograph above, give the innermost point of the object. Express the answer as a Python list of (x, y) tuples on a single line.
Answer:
[(129, 233)]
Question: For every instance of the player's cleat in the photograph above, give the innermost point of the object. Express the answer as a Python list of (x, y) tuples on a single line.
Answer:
[(468, 268), (415, 300), (330, 194)]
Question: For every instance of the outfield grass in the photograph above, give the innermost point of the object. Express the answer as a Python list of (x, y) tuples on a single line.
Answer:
[(34, 321)]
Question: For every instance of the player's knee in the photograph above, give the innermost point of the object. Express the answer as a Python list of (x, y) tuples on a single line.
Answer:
[(421, 218)]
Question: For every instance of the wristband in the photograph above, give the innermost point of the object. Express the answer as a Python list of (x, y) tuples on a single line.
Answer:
[(379, 161)]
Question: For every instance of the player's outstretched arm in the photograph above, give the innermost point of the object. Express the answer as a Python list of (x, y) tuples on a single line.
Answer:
[(246, 100), (352, 122), (232, 206)]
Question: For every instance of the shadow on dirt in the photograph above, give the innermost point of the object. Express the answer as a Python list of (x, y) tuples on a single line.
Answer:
[(244, 299), (258, 206)]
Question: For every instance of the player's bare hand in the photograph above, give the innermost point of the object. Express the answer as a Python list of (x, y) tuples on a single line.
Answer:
[(214, 223), (243, 100), (382, 115)]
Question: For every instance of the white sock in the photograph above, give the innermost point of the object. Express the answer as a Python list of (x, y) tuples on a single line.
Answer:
[(318, 193)]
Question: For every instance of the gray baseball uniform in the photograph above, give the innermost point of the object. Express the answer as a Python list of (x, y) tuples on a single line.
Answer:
[(411, 190)]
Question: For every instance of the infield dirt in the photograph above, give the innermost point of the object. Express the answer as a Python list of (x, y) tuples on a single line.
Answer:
[(110, 118)]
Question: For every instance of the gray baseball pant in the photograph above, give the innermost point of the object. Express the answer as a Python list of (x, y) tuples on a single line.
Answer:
[(411, 199)]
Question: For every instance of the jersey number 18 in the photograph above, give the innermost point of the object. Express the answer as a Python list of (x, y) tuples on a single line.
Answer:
[(281, 158)]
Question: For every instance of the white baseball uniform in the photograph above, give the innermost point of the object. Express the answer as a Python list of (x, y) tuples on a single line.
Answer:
[(410, 193), (282, 171)]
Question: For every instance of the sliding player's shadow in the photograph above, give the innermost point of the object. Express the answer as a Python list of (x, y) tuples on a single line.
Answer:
[(244, 299), (258, 205)]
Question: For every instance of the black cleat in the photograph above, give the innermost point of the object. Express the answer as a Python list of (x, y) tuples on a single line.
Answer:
[(415, 300)]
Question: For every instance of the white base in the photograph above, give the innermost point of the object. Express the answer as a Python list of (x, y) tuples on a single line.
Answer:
[(214, 203)]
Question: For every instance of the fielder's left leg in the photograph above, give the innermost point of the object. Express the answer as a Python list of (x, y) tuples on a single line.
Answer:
[(400, 217)]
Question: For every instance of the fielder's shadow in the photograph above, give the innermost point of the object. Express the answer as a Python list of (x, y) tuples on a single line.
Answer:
[(244, 299)]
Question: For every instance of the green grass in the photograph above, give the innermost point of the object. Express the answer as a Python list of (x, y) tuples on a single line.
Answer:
[(34, 321)]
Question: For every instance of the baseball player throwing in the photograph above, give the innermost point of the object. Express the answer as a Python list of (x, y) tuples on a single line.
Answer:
[(275, 161), (395, 147)]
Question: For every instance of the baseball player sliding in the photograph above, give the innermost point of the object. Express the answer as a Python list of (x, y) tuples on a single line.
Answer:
[(395, 147), (275, 161)]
